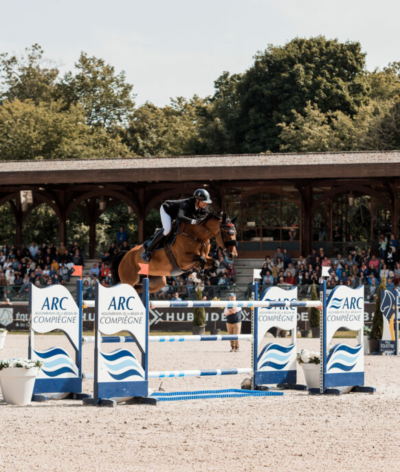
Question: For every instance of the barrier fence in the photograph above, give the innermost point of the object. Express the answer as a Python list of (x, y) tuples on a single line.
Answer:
[(122, 375)]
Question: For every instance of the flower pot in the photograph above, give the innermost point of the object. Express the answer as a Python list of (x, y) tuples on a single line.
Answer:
[(305, 333), (366, 345), (215, 331), (17, 384), (315, 332), (198, 330), (311, 373), (373, 345), (2, 339), (283, 333)]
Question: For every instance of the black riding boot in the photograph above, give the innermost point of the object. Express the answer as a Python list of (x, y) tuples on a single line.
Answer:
[(154, 242)]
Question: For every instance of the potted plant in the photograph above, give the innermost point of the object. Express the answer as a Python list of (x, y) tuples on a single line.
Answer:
[(17, 379), (377, 322), (3, 334), (310, 361), (199, 315), (367, 334), (314, 314)]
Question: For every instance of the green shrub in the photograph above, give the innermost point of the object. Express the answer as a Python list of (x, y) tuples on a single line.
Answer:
[(199, 314), (314, 313), (377, 321)]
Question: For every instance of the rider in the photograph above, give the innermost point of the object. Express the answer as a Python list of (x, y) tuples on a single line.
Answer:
[(190, 210)]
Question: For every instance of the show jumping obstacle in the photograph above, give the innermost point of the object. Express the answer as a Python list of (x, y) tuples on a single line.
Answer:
[(120, 376)]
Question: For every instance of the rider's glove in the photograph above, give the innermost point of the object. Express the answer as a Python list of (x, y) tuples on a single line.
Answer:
[(193, 222)]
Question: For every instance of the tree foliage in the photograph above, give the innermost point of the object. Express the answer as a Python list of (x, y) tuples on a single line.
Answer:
[(29, 77), (324, 72), (47, 131), (105, 96), (167, 131)]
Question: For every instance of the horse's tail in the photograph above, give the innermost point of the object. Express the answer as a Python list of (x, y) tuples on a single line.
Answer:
[(115, 262)]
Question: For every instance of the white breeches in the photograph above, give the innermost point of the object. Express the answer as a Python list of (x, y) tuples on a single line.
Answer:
[(166, 221)]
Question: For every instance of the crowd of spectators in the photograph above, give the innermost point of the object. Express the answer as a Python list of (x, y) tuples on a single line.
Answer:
[(50, 265), (353, 270), (42, 265)]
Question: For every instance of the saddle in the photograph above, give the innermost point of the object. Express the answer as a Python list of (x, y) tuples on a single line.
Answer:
[(166, 244)]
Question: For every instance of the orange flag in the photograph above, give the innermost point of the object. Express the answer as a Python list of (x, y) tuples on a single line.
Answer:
[(77, 271), (144, 269)]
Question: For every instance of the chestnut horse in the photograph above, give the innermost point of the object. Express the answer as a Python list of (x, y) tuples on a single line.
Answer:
[(190, 250)]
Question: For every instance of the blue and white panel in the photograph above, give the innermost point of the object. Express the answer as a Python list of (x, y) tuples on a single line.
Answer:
[(120, 373), (118, 365), (276, 363), (55, 308), (57, 363), (344, 364), (271, 317)]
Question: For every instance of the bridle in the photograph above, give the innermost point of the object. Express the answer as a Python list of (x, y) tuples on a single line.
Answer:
[(228, 228)]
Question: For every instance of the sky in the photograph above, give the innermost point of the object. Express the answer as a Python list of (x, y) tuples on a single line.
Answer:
[(171, 48)]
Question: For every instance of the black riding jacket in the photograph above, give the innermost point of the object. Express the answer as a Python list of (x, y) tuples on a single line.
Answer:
[(184, 210)]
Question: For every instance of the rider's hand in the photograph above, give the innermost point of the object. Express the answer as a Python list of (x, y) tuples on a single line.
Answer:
[(194, 222)]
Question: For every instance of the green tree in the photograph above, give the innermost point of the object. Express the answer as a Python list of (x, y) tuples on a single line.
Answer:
[(218, 118), (385, 84), (324, 72), (47, 131), (29, 77), (314, 131), (167, 131), (105, 96)]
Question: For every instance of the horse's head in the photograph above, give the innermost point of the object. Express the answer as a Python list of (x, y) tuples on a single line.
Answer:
[(226, 238)]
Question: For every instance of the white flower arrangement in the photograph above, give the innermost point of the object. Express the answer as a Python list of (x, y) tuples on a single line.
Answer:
[(21, 363), (3, 330), (308, 357)]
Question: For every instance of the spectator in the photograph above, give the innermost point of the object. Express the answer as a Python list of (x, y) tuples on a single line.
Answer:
[(231, 274), (121, 236), (286, 259), (87, 290), (337, 235), (390, 284), (289, 279), (33, 249), (326, 262), (268, 280), (77, 259), (124, 247), (290, 270), (233, 322), (390, 258), (278, 254), (393, 243), (384, 273), (94, 269), (105, 271), (382, 245), (323, 229), (176, 298), (339, 261)]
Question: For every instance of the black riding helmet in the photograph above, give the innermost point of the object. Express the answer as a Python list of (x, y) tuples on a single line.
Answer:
[(202, 195)]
